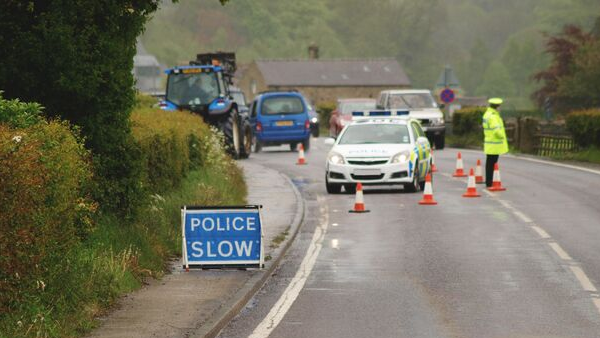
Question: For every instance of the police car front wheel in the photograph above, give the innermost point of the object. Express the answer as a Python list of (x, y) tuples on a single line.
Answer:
[(415, 185), (332, 188)]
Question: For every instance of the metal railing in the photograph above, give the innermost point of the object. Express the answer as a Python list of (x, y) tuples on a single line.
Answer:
[(550, 145)]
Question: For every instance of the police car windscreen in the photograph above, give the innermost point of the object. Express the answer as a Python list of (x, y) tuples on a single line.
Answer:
[(375, 134), (282, 105), (192, 89)]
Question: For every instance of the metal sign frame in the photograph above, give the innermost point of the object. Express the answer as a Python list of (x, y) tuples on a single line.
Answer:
[(217, 265)]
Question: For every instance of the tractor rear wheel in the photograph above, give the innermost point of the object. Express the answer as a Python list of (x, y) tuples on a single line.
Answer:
[(246, 138), (231, 128)]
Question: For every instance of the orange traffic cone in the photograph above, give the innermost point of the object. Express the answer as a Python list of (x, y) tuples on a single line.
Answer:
[(459, 167), (301, 159), (471, 190), (428, 193), (479, 173), (496, 184), (433, 166), (359, 204)]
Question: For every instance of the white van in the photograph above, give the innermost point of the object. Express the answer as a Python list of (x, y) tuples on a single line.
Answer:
[(421, 106)]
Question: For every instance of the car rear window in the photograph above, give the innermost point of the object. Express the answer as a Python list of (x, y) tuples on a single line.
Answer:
[(346, 108), (282, 105), (375, 134)]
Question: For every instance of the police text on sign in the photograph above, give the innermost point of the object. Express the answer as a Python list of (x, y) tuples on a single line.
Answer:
[(222, 236)]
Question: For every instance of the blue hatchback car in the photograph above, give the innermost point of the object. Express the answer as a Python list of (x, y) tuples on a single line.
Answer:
[(280, 117)]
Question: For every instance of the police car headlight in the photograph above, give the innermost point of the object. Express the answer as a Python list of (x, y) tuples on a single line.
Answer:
[(335, 158), (314, 120), (402, 157)]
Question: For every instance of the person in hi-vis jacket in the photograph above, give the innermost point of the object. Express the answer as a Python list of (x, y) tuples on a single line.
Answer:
[(494, 143)]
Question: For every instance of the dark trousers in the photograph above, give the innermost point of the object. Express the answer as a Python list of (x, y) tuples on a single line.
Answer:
[(490, 161)]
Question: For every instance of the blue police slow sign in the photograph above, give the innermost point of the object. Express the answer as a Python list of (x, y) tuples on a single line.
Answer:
[(222, 236)]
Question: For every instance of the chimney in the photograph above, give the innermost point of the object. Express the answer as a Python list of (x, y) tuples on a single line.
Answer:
[(313, 51)]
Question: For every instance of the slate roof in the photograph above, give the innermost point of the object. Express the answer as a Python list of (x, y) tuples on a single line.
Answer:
[(333, 72)]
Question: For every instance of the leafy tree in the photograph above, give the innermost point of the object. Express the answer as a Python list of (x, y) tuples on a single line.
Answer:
[(471, 72), (581, 86), (496, 82), (596, 30), (521, 58), (422, 35), (75, 58), (562, 48)]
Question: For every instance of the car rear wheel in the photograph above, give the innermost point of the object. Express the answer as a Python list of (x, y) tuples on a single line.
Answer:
[(306, 144), (315, 131), (257, 145), (440, 141), (293, 146)]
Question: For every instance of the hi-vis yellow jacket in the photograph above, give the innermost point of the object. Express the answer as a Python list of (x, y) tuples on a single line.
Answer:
[(494, 142)]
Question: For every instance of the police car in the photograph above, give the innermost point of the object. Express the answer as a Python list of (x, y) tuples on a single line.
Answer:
[(379, 148)]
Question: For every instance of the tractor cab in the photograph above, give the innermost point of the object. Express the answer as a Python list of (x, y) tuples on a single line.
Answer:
[(202, 86)]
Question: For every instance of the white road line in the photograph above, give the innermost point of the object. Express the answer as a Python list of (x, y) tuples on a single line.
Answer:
[(487, 192), (597, 303), (284, 303), (560, 252), (522, 216), (505, 204), (583, 279), (540, 231)]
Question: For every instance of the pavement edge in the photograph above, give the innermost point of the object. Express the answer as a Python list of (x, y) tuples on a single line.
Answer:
[(218, 320)]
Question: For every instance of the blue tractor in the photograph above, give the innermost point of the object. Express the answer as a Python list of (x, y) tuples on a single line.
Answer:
[(203, 87)]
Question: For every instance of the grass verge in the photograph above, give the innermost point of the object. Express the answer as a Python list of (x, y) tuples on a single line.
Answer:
[(590, 155)]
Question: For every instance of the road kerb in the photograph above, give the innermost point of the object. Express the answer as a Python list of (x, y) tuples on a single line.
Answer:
[(230, 309)]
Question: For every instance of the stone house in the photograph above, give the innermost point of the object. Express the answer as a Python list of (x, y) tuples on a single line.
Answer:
[(323, 80)]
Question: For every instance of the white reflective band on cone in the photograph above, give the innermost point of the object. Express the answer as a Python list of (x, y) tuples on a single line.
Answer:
[(471, 182), (496, 176), (359, 197), (478, 171), (428, 189)]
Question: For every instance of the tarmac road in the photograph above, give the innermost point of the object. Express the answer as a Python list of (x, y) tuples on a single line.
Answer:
[(521, 263)]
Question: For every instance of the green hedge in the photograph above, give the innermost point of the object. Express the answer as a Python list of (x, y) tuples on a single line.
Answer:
[(62, 260), (585, 127), (45, 176), (173, 144), (522, 113), (324, 110), (468, 120)]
